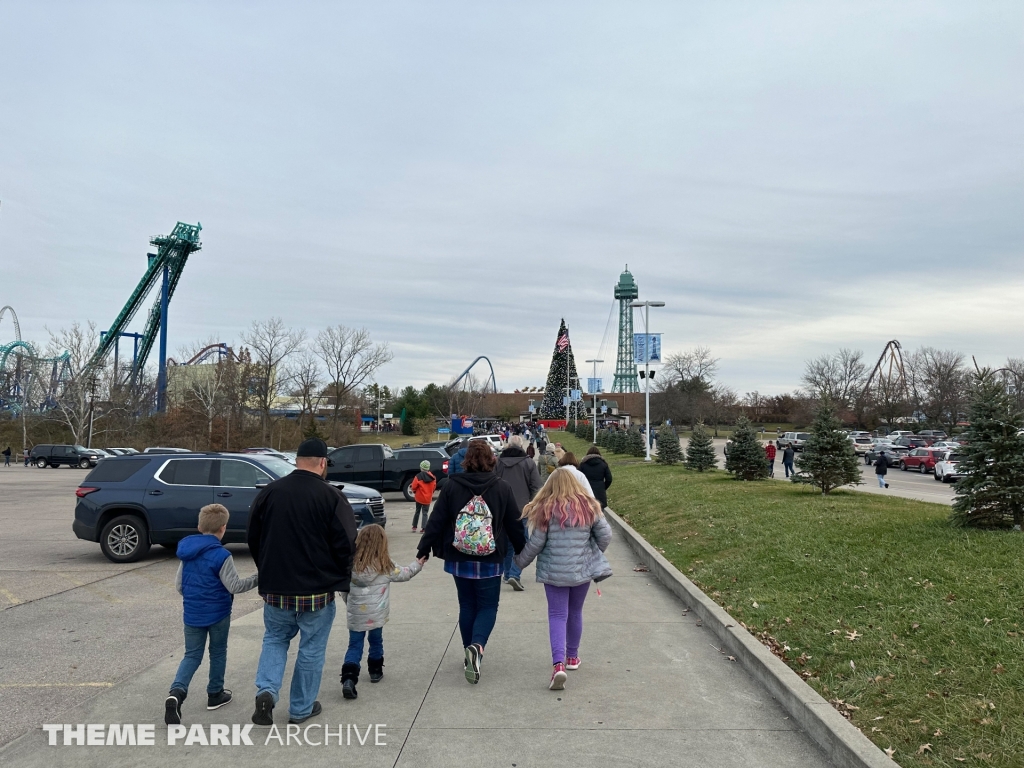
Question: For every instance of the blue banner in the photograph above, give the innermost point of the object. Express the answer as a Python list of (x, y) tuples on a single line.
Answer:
[(594, 386), (646, 348)]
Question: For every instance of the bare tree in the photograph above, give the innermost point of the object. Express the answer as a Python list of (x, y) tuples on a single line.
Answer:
[(75, 400), (939, 384), (308, 381), (202, 388), (351, 359), (720, 404), (839, 377), (271, 344), (697, 363)]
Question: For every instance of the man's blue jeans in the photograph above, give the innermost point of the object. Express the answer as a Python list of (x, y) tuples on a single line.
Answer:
[(280, 627), (195, 642), (510, 570), (789, 468), (354, 654)]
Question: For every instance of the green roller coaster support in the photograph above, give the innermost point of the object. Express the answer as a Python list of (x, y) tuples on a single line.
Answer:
[(172, 252)]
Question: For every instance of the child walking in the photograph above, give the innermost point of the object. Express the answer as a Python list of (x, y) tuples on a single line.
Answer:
[(207, 582), (423, 486), (369, 604), (568, 537)]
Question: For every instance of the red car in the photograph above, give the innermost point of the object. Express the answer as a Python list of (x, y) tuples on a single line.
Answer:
[(922, 459)]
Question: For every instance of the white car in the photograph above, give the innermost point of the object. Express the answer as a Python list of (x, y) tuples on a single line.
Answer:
[(946, 469), (949, 445), (861, 445), (492, 440)]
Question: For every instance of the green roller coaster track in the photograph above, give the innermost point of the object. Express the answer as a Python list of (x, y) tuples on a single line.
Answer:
[(172, 252)]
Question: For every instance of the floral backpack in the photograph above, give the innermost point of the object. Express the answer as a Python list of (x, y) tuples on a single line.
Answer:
[(474, 528)]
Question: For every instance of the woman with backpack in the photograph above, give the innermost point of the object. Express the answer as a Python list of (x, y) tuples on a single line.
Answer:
[(474, 522), (568, 537)]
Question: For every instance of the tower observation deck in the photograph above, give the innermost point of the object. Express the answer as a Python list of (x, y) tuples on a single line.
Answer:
[(626, 291)]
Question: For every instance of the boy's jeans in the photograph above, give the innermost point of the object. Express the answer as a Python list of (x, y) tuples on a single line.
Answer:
[(788, 465), (425, 509), (881, 481), (195, 642), (280, 626), (354, 654)]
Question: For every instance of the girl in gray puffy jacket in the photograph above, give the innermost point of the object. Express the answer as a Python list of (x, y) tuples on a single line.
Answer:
[(369, 604), (568, 537)]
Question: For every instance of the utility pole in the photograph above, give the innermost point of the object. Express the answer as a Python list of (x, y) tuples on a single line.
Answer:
[(647, 370), (595, 362)]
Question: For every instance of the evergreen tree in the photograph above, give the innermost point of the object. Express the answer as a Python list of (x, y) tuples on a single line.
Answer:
[(617, 441), (634, 443), (700, 451), (561, 373), (828, 460), (991, 491), (311, 430), (408, 426), (746, 459), (669, 451)]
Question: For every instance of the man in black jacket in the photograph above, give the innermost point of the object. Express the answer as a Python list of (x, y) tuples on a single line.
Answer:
[(302, 536)]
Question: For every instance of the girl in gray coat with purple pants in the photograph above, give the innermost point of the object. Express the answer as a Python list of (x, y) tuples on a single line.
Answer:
[(568, 537)]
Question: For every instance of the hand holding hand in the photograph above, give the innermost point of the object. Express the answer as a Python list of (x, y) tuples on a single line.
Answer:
[(422, 560)]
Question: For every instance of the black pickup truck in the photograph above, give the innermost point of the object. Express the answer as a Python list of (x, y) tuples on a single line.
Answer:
[(380, 468)]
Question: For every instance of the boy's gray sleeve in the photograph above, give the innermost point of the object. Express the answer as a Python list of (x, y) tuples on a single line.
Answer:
[(232, 582), (177, 577)]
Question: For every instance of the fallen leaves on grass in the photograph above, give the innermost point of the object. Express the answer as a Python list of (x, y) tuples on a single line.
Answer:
[(854, 635), (924, 748), (890, 752)]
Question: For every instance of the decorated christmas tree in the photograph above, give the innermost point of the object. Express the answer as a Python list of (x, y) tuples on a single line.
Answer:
[(561, 375), (746, 459), (669, 451), (700, 451), (991, 491), (828, 460)]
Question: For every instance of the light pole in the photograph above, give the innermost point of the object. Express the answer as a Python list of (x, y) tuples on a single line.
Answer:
[(647, 370), (595, 362)]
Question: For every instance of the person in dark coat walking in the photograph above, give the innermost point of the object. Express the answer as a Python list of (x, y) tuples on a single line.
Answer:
[(520, 471), (787, 459), (881, 468), (455, 463), (477, 577), (598, 474), (301, 535), (7, 456)]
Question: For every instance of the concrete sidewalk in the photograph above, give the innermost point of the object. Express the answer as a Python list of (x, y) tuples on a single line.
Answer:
[(652, 691)]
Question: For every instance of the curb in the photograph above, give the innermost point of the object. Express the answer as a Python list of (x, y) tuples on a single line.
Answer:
[(843, 744)]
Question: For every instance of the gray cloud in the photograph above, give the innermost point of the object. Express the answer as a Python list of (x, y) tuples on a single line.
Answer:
[(789, 178)]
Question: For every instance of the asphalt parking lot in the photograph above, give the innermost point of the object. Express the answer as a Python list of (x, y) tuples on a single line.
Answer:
[(74, 623)]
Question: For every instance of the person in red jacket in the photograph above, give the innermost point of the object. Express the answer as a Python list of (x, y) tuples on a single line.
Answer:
[(769, 452), (423, 486)]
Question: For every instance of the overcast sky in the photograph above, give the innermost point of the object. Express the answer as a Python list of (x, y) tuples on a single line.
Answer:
[(789, 178)]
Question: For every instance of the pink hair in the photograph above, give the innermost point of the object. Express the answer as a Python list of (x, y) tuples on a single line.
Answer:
[(564, 500)]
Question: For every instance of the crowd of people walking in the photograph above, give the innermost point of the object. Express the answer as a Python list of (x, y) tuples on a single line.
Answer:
[(496, 515)]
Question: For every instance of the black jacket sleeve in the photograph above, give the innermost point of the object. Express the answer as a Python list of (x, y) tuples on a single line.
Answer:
[(512, 523), (607, 476), (254, 531), (432, 539), (343, 534)]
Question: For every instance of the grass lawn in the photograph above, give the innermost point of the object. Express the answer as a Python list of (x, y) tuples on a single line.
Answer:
[(909, 626)]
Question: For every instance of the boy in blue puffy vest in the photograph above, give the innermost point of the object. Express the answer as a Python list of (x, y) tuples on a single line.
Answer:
[(207, 581)]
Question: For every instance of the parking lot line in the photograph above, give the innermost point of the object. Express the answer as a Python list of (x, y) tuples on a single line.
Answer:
[(10, 597)]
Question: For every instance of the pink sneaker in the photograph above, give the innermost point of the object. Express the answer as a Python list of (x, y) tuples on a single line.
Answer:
[(573, 662), (558, 678)]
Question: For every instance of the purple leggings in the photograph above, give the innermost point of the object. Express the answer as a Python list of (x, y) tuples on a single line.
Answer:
[(565, 619)]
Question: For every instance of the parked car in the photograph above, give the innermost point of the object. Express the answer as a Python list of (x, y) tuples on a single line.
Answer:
[(46, 455), (911, 442), (796, 439), (861, 445), (898, 433), (167, 450), (494, 441), (893, 453), (128, 503), (921, 459), (377, 466), (451, 447), (946, 469), (948, 445), (932, 434)]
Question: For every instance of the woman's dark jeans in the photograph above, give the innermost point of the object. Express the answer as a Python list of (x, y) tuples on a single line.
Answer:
[(478, 608)]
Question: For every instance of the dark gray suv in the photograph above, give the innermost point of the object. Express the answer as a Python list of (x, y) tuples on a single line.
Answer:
[(130, 502)]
